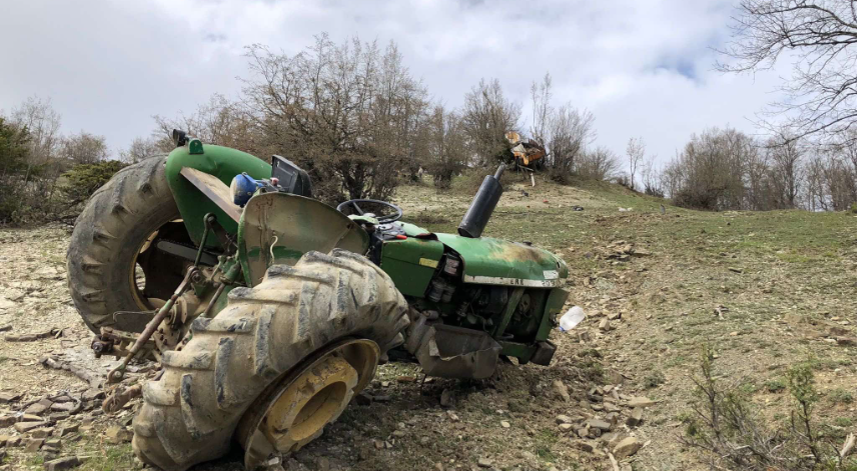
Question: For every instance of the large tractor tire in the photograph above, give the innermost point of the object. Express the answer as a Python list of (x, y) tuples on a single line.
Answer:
[(114, 235), (190, 414)]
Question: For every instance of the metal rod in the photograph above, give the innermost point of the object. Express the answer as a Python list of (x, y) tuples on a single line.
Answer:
[(207, 222), (117, 373), (217, 294)]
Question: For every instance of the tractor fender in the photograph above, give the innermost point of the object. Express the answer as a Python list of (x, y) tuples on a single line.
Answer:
[(279, 228)]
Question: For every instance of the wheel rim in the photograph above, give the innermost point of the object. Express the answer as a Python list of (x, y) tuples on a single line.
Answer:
[(294, 410), (161, 272)]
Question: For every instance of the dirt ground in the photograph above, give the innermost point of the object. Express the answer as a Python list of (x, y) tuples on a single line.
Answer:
[(762, 290)]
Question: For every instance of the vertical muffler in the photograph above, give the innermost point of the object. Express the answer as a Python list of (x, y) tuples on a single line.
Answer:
[(482, 206)]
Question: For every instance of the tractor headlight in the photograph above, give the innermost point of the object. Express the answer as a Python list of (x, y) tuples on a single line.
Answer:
[(242, 188)]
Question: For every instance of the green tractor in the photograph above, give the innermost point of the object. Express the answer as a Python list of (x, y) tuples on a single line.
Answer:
[(269, 310)]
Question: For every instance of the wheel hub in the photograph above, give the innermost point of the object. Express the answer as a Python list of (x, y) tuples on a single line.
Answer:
[(294, 410), (313, 400)]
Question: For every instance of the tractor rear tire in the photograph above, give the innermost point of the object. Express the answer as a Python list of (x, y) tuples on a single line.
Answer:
[(190, 414), (108, 234)]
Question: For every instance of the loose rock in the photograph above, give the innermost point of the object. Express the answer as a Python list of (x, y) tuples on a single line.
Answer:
[(627, 447), (561, 390), (32, 445), (636, 417), (640, 401), (116, 435), (62, 464), (24, 427)]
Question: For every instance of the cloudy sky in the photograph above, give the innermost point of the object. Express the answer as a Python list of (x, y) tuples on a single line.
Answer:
[(643, 67)]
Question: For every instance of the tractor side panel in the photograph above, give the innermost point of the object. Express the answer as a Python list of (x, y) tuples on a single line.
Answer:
[(411, 263), (490, 261), (222, 162)]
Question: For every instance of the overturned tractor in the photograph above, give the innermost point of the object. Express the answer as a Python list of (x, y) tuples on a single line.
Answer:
[(269, 310)]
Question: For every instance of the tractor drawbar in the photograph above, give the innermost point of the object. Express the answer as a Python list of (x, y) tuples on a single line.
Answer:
[(483, 205)]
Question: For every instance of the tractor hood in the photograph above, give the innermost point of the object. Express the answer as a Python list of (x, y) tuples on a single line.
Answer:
[(490, 261)]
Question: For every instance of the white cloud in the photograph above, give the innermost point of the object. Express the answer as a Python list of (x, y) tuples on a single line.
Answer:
[(642, 67)]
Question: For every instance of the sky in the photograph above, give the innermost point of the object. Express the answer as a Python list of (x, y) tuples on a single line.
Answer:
[(644, 68)]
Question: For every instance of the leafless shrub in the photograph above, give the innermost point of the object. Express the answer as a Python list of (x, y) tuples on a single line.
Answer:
[(733, 434)]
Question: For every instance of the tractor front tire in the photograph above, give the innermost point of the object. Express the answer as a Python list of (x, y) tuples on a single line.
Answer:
[(116, 222), (190, 414)]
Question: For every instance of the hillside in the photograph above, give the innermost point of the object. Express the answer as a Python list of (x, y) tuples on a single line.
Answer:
[(764, 290)]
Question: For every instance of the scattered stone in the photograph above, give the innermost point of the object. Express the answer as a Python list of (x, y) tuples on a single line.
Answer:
[(565, 427), (399, 433), (452, 416), (614, 316), (635, 418), (484, 463), (62, 406), (561, 390), (92, 394), (736, 270), (41, 432), (584, 446), (626, 448), (846, 341), (563, 419), (6, 397), (639, 401), (3, 440), (13, 441), (24, 427), (30, 418), (32, 445), (406, 379), (7, 420), (117, 435), (599, 424), (62, 464), (53, 442), (36, 409), (505, 424), (604, 325)]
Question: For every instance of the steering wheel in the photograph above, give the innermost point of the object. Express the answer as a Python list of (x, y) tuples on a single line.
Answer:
[(386, 219)]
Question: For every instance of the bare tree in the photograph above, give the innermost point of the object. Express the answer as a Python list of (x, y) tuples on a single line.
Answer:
[(598, 164), (569, 132), (347, 113), (141, 148), (487, 116), (636, 152), (218, 121), (84, 148), (43, 124), (818, 37), (709, 173), (541, 95), (786, 156), (445, 143), (652, 184)]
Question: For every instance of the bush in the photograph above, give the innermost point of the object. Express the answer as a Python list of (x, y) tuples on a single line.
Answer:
[(728, 428), (82, 180)]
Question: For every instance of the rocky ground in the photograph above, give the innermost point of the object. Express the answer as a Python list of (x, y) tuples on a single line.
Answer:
[(761, 290)]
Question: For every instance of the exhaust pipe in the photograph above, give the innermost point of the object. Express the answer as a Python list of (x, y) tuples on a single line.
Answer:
[(482, 206)]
